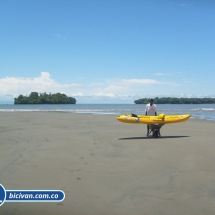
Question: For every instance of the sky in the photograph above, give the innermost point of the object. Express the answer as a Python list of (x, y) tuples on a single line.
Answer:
[(107, 51)]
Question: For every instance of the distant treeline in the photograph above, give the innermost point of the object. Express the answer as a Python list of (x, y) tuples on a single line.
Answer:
[(172, 100), (44, 98)]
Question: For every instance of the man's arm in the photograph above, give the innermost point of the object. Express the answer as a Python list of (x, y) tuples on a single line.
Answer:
[(146, 110)]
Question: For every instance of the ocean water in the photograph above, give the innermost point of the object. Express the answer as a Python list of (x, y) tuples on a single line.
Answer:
[(202, 111)]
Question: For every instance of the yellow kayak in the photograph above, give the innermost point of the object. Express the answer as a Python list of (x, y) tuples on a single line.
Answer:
[(160, 119)]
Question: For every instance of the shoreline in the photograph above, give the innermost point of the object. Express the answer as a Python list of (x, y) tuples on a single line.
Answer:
[(93, 113)]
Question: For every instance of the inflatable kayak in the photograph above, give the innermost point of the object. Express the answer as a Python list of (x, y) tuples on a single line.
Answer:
[(160, 119)]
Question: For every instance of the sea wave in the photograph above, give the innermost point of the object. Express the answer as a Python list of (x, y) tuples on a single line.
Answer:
[(208, 109), (197, 111)]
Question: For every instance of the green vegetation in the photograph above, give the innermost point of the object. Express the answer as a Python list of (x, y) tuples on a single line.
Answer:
[(172, 100), (44, 98)]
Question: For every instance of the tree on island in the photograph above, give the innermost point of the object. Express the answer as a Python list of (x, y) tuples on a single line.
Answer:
[(44, 98), (173, 100)]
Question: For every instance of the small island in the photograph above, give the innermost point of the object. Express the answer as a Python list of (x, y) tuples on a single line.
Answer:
[(44, 98), (173, 100)]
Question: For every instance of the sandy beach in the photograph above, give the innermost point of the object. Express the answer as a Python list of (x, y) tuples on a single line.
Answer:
[(106, 167)]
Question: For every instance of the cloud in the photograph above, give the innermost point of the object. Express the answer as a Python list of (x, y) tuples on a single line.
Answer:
[(60, 36), (122, 83), (112, 89), (111, 95), (140, 81), (95, 84), (77, 94), (15, 86), (147, 82), (160, 74), (124, 89)]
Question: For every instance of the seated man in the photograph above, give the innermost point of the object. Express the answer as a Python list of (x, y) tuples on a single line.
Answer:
[(150, 111)]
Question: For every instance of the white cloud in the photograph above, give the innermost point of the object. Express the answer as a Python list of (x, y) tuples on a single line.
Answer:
[(159, 74), (95, 84), (60, 36), (77, 94), (15, 86), (147, 82), (116, 88), (140, 81), (113, 89), (111, 95)]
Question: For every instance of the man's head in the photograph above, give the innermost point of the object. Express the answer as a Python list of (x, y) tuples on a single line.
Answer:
[(151, 102)]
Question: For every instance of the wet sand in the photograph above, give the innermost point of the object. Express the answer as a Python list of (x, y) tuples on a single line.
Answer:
[(106, 167)]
